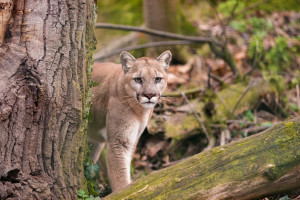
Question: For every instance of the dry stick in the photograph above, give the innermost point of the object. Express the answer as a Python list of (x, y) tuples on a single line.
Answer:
[(218, 79), (240, 122), (224, 104), (250, 85), (255, 129), (157, 33), (173, 162), (208, 75), (223, 138), (196, 115), (178, 94), (152, 44), (225, 54), (240, 98)]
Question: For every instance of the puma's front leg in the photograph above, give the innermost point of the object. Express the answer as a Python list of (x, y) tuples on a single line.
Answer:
[(119, 149)]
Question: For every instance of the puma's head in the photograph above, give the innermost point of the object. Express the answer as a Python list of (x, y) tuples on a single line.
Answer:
[(145, 78)]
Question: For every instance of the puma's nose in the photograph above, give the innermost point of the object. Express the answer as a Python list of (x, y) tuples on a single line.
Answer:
[(149, 96)]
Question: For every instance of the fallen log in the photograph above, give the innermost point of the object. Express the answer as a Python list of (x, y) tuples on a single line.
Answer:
[(257, 166)]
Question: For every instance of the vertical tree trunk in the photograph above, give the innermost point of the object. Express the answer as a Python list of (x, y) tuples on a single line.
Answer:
[(164, 15), (44, 60)]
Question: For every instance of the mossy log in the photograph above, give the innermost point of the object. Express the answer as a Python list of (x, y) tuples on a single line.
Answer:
[(263, 164)]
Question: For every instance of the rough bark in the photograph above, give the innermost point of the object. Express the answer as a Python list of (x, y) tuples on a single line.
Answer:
[(254, 167), (44, 63)]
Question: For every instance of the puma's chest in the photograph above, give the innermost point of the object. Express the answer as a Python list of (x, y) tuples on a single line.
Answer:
[(143, 121)]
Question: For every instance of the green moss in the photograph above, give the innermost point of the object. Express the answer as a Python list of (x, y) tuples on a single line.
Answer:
[(91, 188), (289, 128), (90, 44), (181, 126), (289, 124), (228, 97)]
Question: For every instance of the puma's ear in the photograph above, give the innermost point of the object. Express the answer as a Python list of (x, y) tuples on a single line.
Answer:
[(165, 58), (127, 60)]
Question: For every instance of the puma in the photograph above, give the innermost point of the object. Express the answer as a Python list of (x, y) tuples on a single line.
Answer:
[(122, 104)]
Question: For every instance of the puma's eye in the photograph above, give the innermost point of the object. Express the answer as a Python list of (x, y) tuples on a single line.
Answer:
[(138, 79), (158, 79)]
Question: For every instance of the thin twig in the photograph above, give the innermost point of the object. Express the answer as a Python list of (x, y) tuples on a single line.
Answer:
[(216, 78), (196, 115), (208, 75), (243, 11), (157, 33), (298, 96), (187, 92), (255, 55), (241, 97), (223, 138), (232, 13), (173, 162), (224, 104), (240, 122), (255, 129), (250, 85), (152, 44), (221, 22), (224, 53)]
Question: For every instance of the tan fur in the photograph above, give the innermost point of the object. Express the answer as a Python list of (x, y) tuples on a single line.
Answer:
[(121, 109)]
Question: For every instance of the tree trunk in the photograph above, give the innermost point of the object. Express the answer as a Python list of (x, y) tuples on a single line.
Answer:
[(44, 61), (164, 15), (261, 165)]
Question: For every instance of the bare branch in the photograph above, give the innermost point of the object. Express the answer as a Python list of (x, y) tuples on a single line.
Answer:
[(142, 46), (223, 53), (157, 33)]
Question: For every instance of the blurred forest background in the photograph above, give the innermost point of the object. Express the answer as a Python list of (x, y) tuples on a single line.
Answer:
[(241, 83)]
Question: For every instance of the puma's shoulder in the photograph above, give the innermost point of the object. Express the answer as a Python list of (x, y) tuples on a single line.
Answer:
[(105, 71)]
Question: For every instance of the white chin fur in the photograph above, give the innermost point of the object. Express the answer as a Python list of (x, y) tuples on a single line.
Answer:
[(144, 101), (148, 105)]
